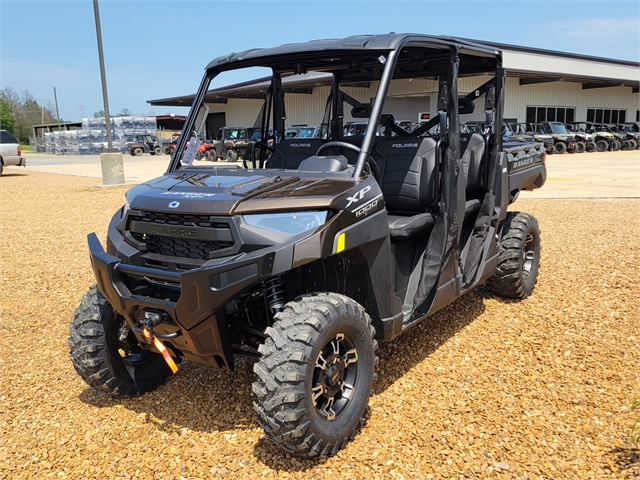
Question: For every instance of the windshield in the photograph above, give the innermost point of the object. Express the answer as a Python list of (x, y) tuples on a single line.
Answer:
[(558, 128), (234, 134), (309, 132)]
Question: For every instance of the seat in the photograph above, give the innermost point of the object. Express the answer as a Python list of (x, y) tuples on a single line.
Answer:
[(408, 184), (290, 153)]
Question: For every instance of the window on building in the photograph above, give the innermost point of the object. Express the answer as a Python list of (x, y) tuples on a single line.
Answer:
[(550, 114), (606, 115)]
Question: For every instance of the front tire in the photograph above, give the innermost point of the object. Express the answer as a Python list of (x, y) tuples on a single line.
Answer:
[(519, 257), (602, 145), (559, 147), (591, 147), (315, 374), (232, 155), (580, 147), (106, 363)]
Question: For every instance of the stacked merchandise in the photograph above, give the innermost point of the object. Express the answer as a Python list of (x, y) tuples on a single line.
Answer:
[(92, 139)]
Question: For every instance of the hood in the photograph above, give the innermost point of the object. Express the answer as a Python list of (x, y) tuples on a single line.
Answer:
[(226, 191)]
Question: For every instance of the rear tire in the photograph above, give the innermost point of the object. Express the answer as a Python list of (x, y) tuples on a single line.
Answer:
[(157, 150), (602, 145), (559, 147), (519, 257), (137, 152), (105, 362), (591, 147), (616, 145), (315, 374), (580, 147)]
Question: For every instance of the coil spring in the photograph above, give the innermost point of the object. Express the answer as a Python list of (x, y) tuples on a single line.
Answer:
[(274, 294)]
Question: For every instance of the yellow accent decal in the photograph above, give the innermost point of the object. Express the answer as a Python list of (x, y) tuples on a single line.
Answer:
[(342, 238)]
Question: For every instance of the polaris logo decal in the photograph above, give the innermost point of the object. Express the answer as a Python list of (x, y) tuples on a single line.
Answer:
[(359, 195), (174, 204), (300, 145), (165, 231), (404, 145)]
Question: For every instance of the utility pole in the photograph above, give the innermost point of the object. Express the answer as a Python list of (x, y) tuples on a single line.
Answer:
[(111, 159), (57, 111), (81, 108), (42, 100)]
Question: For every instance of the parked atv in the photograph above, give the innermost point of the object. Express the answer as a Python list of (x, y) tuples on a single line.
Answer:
[(603, 139), (525, 132), (144, 144), (631, 134), (584, 141), (231, 143), (563, 141), (306, 261), (627, 141)]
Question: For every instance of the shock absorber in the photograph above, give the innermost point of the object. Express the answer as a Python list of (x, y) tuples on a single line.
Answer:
[(274, 294)]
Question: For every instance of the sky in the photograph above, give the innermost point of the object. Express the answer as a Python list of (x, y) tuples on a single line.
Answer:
[(158, 49)]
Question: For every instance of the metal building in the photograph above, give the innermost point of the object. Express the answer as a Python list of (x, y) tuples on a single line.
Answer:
[(541, 85)]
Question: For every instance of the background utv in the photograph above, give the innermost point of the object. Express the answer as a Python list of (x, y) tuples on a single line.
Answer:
[(325, 247)]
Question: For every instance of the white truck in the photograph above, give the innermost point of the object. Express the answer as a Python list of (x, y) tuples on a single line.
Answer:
[(10, 153)]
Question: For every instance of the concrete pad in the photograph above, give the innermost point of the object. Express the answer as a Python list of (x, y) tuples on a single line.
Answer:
[(584, 175)]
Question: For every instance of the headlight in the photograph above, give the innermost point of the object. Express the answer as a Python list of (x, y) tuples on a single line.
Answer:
[(289, 223)]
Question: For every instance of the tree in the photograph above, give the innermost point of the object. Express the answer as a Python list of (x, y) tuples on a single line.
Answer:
[(22, 112), (99, 113), (7, 117)]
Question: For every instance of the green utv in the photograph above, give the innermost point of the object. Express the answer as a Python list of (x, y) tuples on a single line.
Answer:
[(325, 247)]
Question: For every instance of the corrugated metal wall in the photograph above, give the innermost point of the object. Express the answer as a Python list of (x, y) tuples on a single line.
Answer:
[(419, 95), (566, 94)]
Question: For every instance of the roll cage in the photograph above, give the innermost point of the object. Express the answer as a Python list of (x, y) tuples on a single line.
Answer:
[(359, 59)]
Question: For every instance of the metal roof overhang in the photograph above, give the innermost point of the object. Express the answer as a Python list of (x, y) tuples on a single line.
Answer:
[(368, 43)]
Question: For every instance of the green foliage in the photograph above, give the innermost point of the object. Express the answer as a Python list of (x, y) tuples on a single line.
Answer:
[(7, 117)]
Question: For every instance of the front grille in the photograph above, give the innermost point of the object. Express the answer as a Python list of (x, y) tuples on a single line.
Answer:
[(218, 234)]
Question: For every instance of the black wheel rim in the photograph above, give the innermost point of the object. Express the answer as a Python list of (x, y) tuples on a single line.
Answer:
[(528, 254), (334, 377), (128, 349)]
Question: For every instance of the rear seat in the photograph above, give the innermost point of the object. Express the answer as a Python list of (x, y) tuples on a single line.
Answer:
[(292, 151)]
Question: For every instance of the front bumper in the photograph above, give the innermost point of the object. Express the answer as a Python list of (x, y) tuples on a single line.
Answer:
[(197, 320)]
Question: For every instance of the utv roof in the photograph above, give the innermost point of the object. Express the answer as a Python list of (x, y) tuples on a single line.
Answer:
[(354, 44)]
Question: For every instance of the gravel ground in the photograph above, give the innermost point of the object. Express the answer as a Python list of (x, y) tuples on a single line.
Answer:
[(487, 388)]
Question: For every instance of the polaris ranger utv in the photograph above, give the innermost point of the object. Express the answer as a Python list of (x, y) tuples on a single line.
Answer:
[(305, 261)]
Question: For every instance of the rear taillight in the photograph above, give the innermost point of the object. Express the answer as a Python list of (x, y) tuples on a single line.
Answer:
[(234, 143), (544, 157), (19, 151)]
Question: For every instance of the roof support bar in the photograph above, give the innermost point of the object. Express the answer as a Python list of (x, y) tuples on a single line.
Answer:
[(536, 80)]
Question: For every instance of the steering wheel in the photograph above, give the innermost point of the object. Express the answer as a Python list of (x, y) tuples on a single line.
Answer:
[(263, 144), (375, 171)]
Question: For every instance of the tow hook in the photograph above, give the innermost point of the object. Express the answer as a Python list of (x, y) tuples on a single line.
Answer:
[(153, 319)]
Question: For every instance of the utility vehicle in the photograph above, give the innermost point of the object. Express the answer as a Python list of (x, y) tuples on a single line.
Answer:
[(527, 132), (604, 140), (143, 144), (563, 141), (231, 143), (321, 249)]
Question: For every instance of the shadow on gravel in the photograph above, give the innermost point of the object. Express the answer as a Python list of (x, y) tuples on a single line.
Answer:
[(628, 458), (5, 174), (205, 399), (198, 397), (426, 337)]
